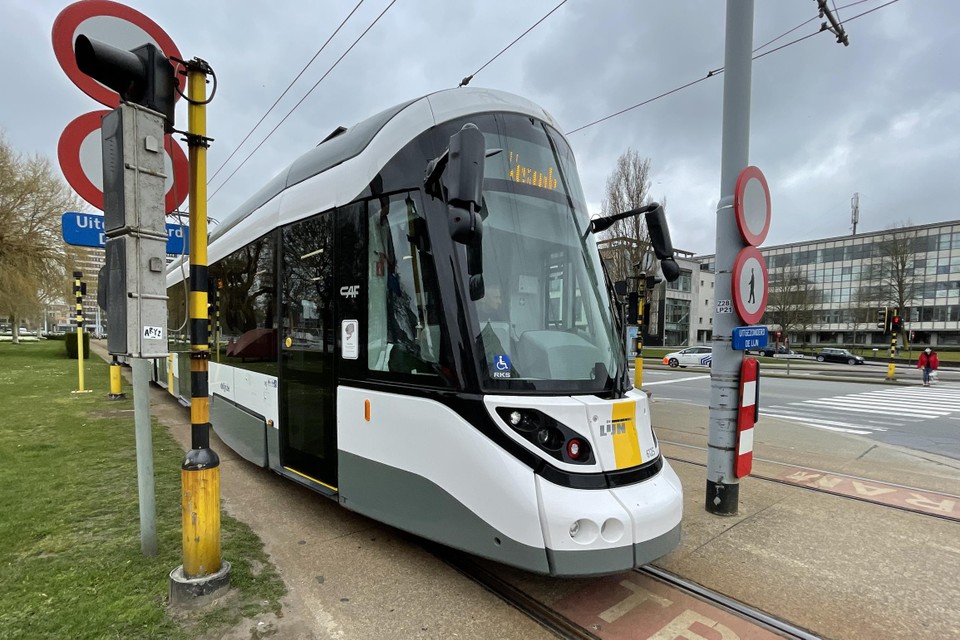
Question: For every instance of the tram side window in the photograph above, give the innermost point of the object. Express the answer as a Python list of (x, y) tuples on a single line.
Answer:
[(246, 334), (404, 316)]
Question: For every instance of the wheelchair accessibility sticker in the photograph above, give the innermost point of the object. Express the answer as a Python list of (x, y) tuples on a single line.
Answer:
[(501, 366)]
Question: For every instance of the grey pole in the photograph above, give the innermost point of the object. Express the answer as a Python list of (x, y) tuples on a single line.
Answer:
[(141, 419), (723, 488)]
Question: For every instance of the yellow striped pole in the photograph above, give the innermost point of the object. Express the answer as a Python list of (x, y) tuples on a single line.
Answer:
[(200, 472), (77, 289)]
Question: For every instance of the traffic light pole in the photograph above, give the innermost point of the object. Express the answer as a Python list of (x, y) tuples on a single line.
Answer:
[(894, 327), (722, 486), (641, 308), (203, 572), (78, 290)]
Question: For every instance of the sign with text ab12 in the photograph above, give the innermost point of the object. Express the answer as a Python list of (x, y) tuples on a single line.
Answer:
[(750, 338)]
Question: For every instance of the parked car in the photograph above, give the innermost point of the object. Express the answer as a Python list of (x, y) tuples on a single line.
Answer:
[(691, 356), (838, 355)]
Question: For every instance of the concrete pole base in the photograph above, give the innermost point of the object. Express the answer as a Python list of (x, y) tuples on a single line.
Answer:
[(116, 396), (195, 592)]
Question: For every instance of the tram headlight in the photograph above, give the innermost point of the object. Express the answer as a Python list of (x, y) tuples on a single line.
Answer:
[(574, 448), (551, 436), (515, 418)]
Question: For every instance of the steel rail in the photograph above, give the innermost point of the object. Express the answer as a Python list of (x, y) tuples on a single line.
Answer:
[(735, 607)]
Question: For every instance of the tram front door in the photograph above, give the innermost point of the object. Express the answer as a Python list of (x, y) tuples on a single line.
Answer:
[(308, 429)]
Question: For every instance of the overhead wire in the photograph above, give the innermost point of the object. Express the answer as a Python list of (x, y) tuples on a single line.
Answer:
[(715, 72), (285, 91), (470, 77), (296, 106)]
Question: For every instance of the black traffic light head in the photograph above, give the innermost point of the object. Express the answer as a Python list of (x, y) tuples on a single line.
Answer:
[(142, 76), (882, 319), (896, 324)]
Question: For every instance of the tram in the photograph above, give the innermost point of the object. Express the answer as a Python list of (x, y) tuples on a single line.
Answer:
[(413, 319)]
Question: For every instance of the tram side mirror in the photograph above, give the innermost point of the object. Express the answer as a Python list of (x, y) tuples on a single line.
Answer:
[(670, 269), (464, 181), (659, 233), (662, 246)]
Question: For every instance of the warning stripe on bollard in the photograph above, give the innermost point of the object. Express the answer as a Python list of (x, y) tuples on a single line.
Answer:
[(747, 416)]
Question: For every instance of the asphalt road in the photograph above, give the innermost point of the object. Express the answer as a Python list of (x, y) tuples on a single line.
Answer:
[(920, 418)]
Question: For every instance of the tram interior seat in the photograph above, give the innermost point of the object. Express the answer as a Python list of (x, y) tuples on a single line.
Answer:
[(553, 354)]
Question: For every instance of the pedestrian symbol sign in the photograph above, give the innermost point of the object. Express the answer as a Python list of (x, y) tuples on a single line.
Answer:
[(750, 285)]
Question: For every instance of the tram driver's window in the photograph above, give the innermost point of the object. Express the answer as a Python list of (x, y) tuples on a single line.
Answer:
[(403, 308)]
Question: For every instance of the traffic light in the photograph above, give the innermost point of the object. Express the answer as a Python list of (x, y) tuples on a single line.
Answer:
[(882, 320), (896, 323), (142, 76), (653, 281)]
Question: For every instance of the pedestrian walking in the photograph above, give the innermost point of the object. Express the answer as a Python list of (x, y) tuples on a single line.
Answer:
[(928, 362)]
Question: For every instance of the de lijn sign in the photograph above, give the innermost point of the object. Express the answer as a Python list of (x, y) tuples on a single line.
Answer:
[(750, 338), (86, 230)]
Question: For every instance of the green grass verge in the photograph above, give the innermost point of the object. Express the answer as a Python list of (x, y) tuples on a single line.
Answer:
[(70, 530)]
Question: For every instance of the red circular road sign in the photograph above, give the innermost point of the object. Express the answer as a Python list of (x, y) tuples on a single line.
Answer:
[(115, 24), (79, 153), (750, 285), (751, 204)]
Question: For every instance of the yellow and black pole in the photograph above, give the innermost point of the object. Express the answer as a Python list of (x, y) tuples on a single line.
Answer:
[(78, 291), (894, 324), (203, 570), (638, 357)]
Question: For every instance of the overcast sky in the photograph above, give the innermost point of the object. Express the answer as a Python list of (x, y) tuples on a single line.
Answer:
[(880, 117)]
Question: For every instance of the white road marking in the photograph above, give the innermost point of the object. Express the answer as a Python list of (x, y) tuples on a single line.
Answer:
[(647, 384)]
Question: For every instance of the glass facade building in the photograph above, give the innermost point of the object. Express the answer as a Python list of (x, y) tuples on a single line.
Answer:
[(843, 282)]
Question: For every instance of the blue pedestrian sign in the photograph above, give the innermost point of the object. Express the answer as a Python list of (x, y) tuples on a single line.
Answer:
[(86, 230), (750, 338)]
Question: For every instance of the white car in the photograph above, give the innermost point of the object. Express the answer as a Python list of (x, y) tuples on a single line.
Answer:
[(690, 357)]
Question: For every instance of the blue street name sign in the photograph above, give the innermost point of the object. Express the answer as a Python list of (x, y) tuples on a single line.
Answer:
[(86, 230), (750, 338)]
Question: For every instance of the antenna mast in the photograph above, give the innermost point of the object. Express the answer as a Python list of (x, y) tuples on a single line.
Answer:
[(855, 211)]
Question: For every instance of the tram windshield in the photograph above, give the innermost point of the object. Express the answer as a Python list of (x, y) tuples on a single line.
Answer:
[(542, 320)]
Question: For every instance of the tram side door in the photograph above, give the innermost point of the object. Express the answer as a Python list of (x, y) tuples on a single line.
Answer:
[(308, 377)]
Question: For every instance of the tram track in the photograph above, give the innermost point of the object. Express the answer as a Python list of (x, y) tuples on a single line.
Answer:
[(735, 607), (836, 474), (562, 627)]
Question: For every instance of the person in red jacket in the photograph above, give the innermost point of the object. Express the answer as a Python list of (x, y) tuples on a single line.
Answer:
[(928, 362)]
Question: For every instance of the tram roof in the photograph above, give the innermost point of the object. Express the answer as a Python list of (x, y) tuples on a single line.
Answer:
[(344, 144)]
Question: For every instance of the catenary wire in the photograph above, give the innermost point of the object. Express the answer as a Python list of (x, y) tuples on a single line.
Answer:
[(470, 77), (332, 67), (285, 91), (719, 70)]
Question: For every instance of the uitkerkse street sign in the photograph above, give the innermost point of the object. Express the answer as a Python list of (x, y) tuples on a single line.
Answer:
[(86, 230)]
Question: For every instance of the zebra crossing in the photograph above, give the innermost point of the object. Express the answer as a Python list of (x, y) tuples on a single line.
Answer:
[(871, 411)]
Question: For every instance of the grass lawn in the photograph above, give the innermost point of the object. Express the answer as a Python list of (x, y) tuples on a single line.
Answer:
[(70, 531)]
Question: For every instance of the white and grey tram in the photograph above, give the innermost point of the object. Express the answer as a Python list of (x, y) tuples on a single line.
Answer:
[(464, 383)]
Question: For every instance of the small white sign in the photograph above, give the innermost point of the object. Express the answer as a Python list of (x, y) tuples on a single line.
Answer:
[(724, 306), (350, 339), (153, 333)]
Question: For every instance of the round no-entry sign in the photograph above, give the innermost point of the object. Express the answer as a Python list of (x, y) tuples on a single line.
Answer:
[(751, 204), (79, 153), (750, 285), (113, 23)]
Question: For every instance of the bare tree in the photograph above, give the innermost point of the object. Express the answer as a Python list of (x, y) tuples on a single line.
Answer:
[(791, 300), (627, 240), (896, 269), (32, 255)]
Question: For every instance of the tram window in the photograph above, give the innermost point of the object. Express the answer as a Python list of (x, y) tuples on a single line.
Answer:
[(404, 315), (245, 288)]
